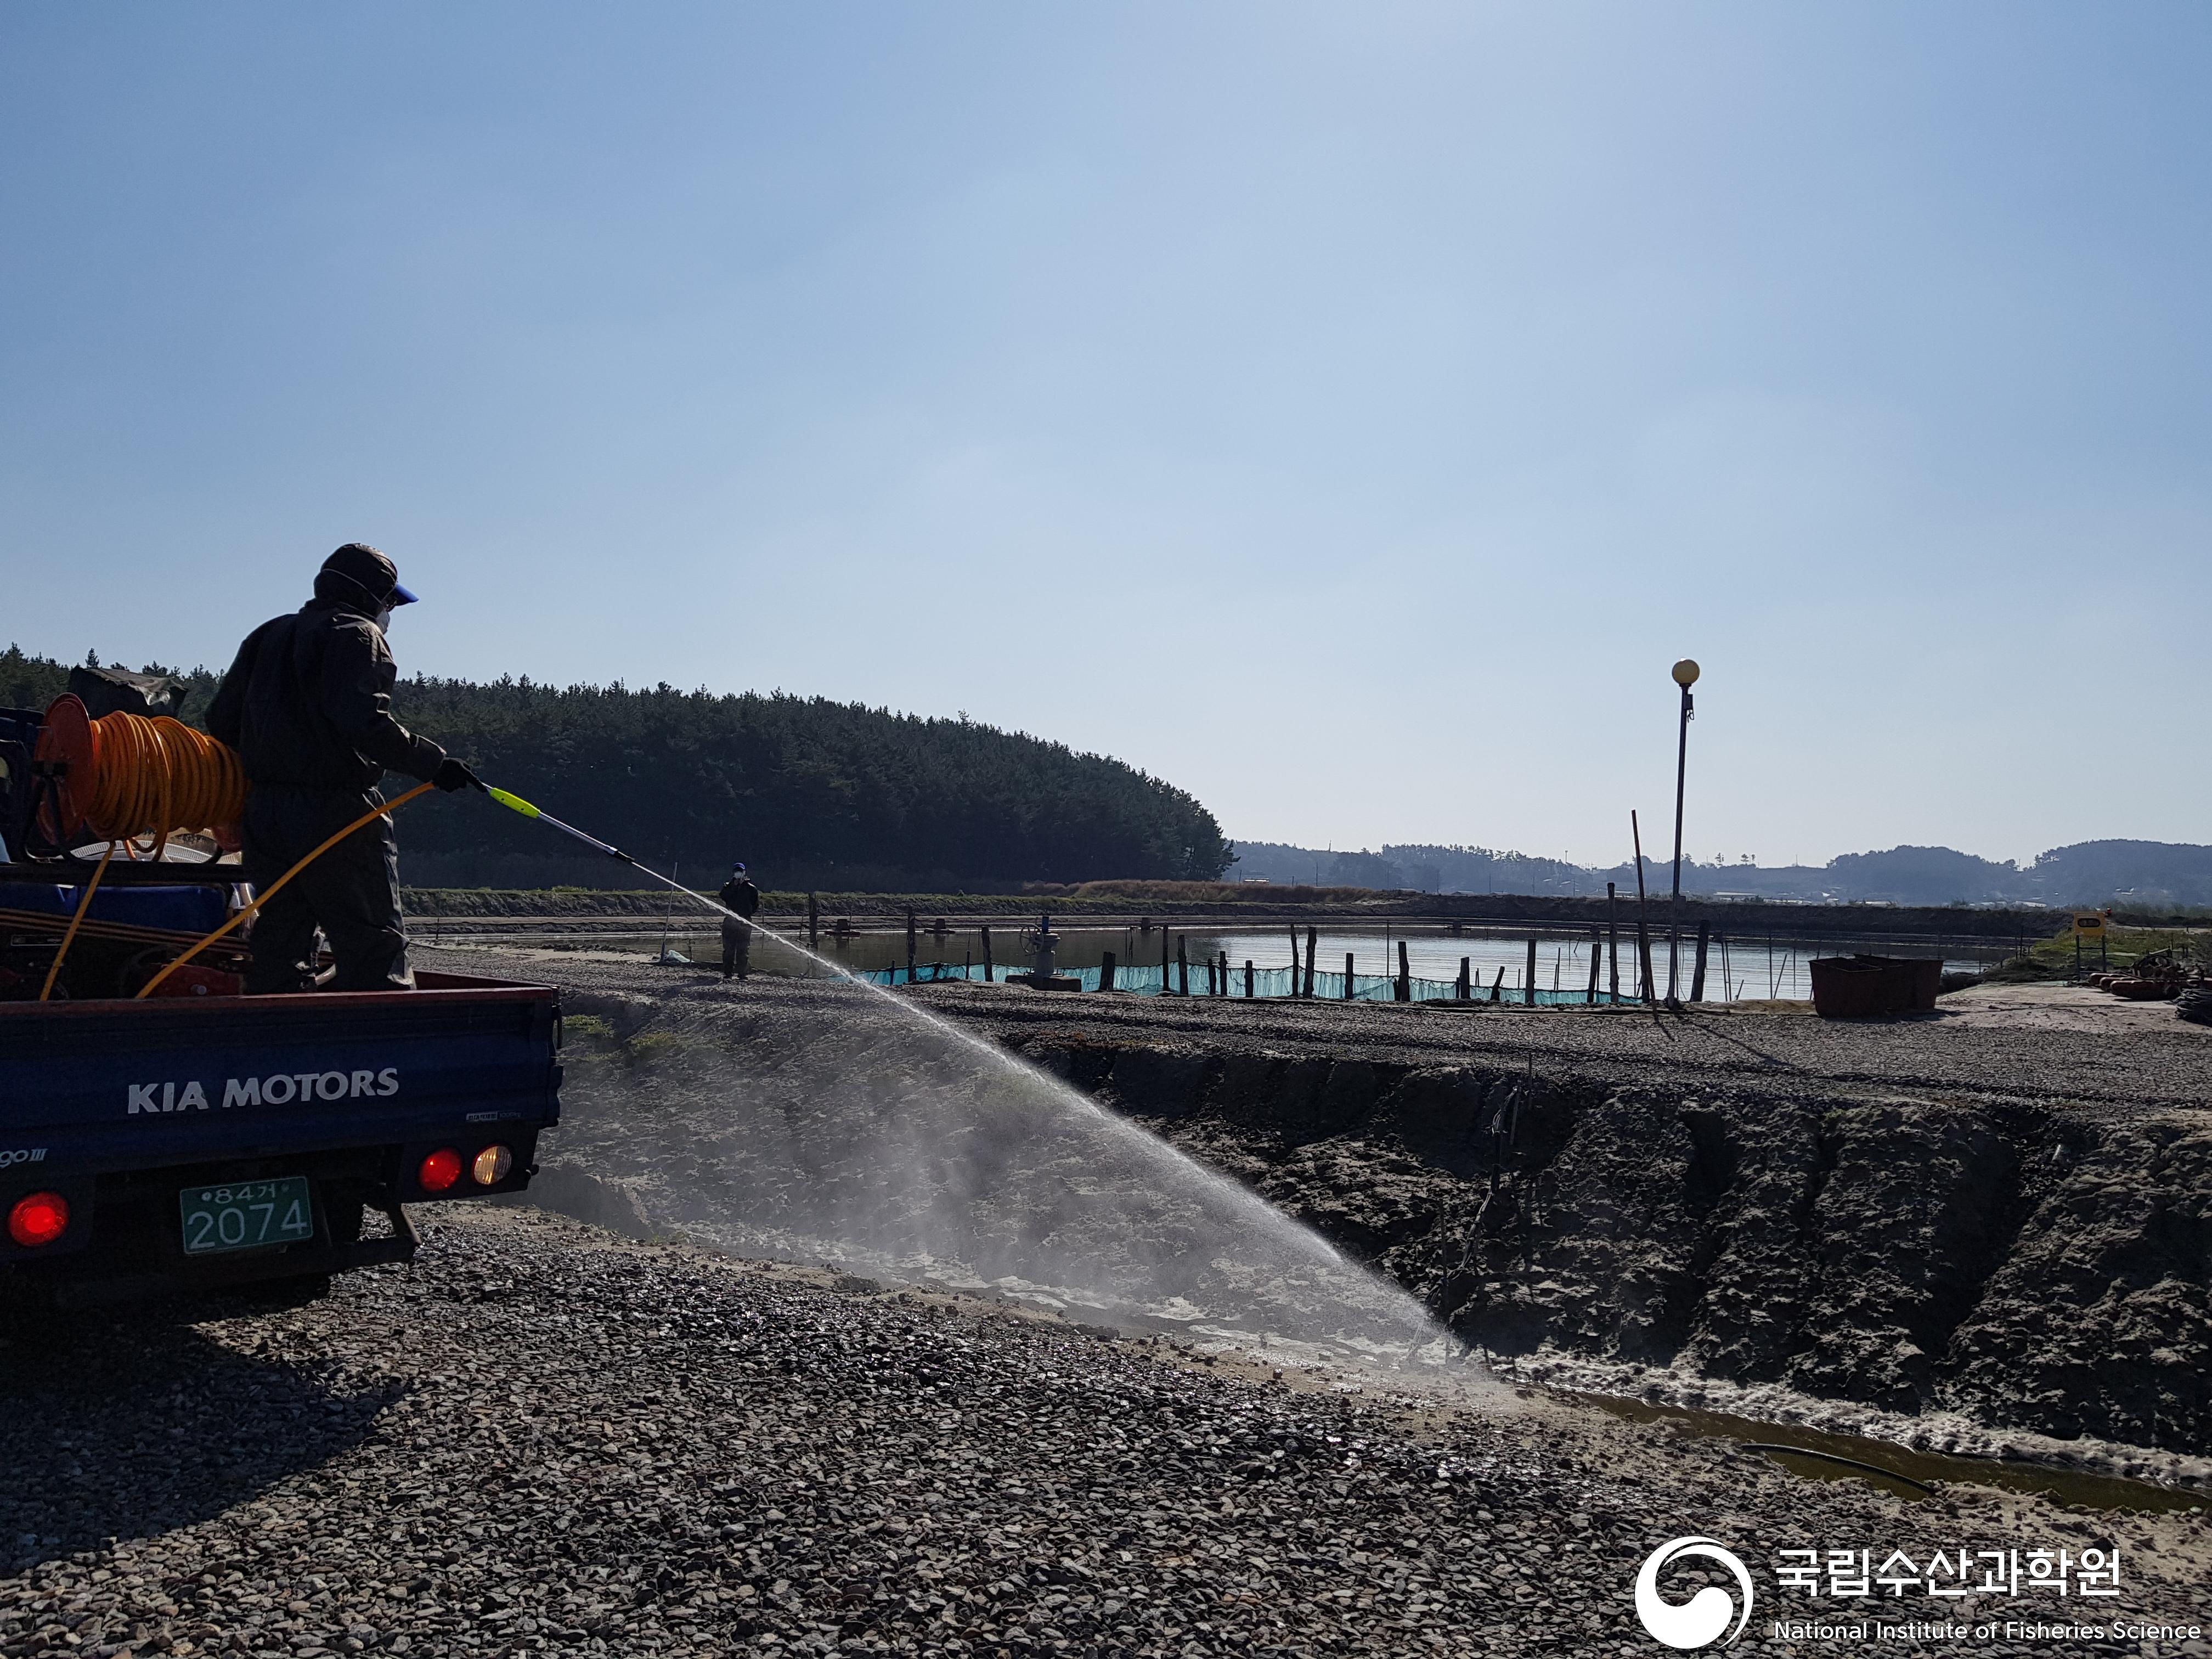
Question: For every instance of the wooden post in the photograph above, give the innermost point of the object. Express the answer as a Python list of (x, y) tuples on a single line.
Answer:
[(1224, 973), (1313, 949), (1248, 976), (1591, 995), (1166, 984), (1613, 943), (1347, 975), (1294, 962), (1182, 963), (1106, 970), (1405, 974), (813, 923), (1210, 980), (1465, 989), (1642, 926), (986, 954), (1529, 985), (909, 944), (1498, 985), (1698, 973)]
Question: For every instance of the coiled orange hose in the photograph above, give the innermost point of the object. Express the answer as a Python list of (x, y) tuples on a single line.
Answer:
[(158, 777), (129, 776)]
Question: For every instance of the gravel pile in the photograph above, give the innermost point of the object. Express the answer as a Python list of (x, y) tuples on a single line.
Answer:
[(541, 1440)]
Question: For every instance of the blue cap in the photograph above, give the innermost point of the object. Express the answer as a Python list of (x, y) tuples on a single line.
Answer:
[(737, 869), (372, 571)]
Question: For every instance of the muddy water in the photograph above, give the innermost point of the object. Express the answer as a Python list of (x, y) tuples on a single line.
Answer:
[(1899, 1470)]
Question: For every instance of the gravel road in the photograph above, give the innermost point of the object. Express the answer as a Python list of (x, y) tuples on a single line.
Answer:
[(2030, 1043), (539, 1439), (1989, 1042)]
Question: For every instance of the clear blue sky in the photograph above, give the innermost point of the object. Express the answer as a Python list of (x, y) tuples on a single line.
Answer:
[(1348, 413)]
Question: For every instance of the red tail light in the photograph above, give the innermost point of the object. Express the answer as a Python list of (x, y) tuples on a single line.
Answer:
[(440, 1170), (39, 1220)]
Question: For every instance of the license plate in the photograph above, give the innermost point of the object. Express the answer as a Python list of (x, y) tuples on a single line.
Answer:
[(245, 1215)]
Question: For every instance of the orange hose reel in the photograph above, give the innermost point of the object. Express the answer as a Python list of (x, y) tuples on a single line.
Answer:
[(124, 776)]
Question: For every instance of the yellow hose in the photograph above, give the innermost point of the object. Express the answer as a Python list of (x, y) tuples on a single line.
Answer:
[(157, 777), (270, 892), (83, 904)]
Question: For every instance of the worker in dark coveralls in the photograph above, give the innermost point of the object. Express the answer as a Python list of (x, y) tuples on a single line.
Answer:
[(308, 705), (737, 894)]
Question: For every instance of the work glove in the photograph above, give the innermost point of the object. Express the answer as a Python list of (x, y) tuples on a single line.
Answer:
[(451, 775)]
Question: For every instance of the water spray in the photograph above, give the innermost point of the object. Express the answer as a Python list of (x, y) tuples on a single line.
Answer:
[(1417, 1333)]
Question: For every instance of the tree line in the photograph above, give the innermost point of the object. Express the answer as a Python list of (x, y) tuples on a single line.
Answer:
[(809, 792)]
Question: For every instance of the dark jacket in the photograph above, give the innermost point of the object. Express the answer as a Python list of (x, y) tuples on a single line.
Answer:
[(739, 894), (308, 703)]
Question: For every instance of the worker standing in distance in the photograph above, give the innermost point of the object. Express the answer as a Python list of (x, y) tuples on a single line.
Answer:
[(307, 706), (737, 894)]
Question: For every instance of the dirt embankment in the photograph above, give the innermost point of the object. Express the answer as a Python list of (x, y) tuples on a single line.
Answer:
[(2028, 1263)]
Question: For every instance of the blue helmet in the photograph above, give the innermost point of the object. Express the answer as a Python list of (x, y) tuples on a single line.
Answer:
[(737, 869)]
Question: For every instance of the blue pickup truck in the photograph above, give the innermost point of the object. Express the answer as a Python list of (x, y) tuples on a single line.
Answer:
[(198, 1138)]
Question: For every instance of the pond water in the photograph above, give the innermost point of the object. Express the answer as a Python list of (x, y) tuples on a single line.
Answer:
[(1737, 968)]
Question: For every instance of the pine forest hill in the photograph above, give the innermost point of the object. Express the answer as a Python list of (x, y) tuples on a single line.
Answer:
[(810, 793), (815, 794)]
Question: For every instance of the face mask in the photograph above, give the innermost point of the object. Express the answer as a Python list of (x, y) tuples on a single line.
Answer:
[(383, 620)]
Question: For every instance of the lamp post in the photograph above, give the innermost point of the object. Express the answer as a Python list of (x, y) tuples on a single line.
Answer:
[(1685, 676)]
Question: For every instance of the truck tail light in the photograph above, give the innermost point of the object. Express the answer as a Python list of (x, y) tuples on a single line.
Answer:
[(440, 1170), (491, 1166), (39, 1220)]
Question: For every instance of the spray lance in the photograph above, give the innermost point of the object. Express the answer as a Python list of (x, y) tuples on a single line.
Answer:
[(515, 803)]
